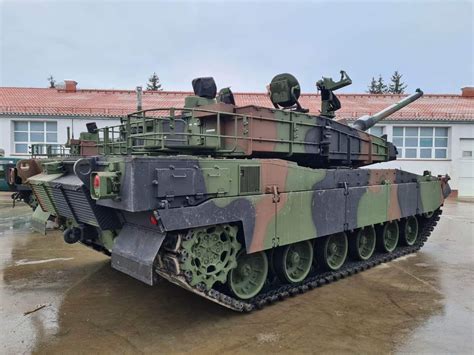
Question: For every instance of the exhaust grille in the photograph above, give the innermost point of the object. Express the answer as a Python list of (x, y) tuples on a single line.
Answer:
[(44, 193), (75, 202), (249, 179)]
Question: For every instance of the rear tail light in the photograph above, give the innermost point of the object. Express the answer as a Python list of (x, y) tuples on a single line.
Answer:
[(96, 181), (105, 184), (153, 220)]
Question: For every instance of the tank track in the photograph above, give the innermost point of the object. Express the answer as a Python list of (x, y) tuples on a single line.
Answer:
[(279, 292)]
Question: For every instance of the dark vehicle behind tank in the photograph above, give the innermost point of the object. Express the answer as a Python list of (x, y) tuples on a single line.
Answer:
[(9, 182), (5, 165), (243, 205)]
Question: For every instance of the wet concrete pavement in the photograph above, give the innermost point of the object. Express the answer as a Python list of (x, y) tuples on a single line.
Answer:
[(421, 303)]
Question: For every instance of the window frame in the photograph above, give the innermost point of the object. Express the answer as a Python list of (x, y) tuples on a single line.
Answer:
[(418, 147), (46, 131)]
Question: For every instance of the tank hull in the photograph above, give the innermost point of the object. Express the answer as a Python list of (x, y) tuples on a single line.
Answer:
[(199, 222)]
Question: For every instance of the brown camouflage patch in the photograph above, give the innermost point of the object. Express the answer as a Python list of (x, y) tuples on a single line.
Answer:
[(265, 210), (274, 173), (394, 211), (377, 176), (264, 131)]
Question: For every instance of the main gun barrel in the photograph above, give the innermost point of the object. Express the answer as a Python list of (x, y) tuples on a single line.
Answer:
[(365, 122)]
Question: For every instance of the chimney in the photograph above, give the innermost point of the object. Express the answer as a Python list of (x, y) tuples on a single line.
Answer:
[(70, 85), (467, 91), (139, 98)]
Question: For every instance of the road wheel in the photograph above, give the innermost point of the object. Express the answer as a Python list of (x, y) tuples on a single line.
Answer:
[(248, 278), (331, 251), (293, 262), (362, 244), (387, 238), (409, 231)]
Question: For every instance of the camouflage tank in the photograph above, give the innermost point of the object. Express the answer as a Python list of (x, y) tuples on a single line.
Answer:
[(243, 205)]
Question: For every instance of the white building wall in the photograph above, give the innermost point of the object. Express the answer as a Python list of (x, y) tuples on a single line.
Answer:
[(452, 165), (77, 125)]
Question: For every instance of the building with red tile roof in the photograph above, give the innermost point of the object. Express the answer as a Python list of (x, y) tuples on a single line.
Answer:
[(116, 103)]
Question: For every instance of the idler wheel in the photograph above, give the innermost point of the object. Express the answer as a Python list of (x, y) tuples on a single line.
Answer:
[(388, 236), (248, 278), (331, 251), (409, 231), (428, 215), (293, 262), (362, 244)]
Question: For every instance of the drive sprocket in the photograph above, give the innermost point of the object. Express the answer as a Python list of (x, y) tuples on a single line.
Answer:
[(208, 254)]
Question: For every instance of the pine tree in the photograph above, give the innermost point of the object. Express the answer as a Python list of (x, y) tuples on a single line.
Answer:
[(396, 86), (380, 86), (154, 83), (52, 82), (372, 87)]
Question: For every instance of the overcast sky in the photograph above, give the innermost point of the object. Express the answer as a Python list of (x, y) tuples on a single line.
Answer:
[(118, 44)]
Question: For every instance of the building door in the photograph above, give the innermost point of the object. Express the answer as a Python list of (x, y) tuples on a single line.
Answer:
[(466, 168)]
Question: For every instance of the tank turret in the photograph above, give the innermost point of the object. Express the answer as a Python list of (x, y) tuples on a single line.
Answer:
[(215, 126)]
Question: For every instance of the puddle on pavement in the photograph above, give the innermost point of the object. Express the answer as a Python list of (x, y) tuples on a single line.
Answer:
[(421, 303), (14, 219), (19, 223), (35, 271)]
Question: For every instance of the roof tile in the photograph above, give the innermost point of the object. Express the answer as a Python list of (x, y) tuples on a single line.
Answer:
[(113, 103)]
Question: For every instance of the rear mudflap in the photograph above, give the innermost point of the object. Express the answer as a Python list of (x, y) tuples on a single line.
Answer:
[(135, 250), (39, 220)]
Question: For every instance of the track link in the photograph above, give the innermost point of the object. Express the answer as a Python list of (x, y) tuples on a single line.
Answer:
[(279, 292)]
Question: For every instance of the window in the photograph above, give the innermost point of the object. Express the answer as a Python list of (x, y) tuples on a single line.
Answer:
[(26, 133), (377, 131), (421, 142)]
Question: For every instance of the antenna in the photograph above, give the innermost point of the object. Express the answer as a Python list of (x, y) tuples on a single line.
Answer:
[(139, 98)]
